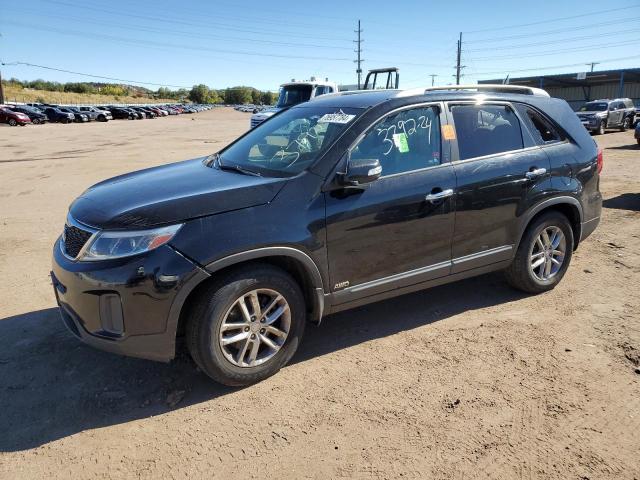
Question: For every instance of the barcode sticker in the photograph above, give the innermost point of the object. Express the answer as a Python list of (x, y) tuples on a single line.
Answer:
[(336, 118)]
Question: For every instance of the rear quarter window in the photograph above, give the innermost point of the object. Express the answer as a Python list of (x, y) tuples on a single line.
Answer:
[(543, 130)]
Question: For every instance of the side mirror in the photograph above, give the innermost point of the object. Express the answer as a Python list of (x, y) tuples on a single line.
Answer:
[(361, 172)]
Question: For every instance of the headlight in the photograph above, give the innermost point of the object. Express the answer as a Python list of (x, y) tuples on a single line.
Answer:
[(107, 245)]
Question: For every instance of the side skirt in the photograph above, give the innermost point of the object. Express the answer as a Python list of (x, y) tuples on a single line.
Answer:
[(330, 308)]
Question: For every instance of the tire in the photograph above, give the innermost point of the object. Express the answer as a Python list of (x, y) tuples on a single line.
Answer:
[(520, 273), (638, 141), (626, 124), (12, 122), (221, 301), (36, 121), (102, 118), (601, 128)]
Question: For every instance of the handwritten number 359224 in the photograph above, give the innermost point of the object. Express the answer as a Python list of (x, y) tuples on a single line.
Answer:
[(408, 127)]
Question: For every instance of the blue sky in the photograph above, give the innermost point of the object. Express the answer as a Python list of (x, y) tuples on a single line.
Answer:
[(262, 44)]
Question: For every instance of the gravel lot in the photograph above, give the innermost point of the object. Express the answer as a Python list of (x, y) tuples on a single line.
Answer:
[(469, 380)]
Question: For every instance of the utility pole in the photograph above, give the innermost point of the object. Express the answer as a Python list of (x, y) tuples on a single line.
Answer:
[(358, 50), (593, 64), (1, 91), (433, 76), (458, 59)]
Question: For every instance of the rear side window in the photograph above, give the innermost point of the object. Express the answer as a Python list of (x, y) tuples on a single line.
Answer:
[(486, 130), (540, 127), (404, 141)]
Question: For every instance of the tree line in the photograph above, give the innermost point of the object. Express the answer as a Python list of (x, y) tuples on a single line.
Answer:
[(198, 94)]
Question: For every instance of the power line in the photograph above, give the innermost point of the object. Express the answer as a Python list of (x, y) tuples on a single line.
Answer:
[(190, 34), (557, 51), (560, 30), (171, 45), (551, 42), (559, 19), (208, 24), (553, 67), (113, 78), (93, 76)]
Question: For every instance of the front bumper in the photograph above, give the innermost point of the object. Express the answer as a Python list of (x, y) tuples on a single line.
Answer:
[(128, 306), (592, 123)]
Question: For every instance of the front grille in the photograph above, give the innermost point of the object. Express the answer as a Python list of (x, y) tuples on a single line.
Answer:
[(74, 240)]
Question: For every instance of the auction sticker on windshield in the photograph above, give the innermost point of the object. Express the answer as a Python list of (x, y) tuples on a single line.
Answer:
[(336, 118)]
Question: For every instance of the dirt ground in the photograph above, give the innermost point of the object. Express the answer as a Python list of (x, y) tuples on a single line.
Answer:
[(468, 380)]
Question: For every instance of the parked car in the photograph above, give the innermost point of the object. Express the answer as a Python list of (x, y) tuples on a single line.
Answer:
[(78, 116), (13, 118), (79, 113), (148, 112), (36, 115), (56, 115), (636, 133), (335, 203), (100, 115), (122, 113), (599, 115)]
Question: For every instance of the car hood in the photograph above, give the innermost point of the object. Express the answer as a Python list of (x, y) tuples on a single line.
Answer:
[(170, 194), (266, 113)]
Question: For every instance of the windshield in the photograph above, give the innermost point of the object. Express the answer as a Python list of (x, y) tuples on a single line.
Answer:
[(293, 94), (289, 142), (594, 107)]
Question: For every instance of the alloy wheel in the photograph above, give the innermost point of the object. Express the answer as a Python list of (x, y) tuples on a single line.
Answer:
[(547, 253), (255, 328)]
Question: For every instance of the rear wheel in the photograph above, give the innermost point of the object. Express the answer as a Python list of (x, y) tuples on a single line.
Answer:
[(626, 124), (543, 255), (247, 325)]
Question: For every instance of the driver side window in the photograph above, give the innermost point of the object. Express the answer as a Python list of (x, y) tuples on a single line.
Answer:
[(404, 141)]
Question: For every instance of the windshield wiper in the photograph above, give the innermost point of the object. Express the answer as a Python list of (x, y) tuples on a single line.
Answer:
[(233, 167)]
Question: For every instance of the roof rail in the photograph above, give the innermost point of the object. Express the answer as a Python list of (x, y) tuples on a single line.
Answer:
[(493, 88)]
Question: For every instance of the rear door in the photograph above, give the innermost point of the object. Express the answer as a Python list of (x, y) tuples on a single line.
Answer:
[(616, 110), (500, 172)]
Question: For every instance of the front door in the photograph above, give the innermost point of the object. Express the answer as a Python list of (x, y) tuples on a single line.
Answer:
[(396, 232)]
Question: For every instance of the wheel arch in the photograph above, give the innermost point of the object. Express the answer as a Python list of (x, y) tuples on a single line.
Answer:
[(295, 262), (568, 206)]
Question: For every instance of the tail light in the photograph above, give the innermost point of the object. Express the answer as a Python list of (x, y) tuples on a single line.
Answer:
[(600, 159)]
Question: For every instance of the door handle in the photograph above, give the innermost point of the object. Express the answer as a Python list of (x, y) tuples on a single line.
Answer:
[(536, 173), (434, 197)]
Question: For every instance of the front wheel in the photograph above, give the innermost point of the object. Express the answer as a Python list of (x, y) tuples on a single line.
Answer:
[(247, 325), (36, 121), (12, 122), (601, 128), (543, 255)]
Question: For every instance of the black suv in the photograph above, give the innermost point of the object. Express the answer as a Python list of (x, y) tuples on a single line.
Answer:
[(339, 202), (599, 115)]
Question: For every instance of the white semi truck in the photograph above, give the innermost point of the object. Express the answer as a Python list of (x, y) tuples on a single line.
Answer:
[(295, 92)]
